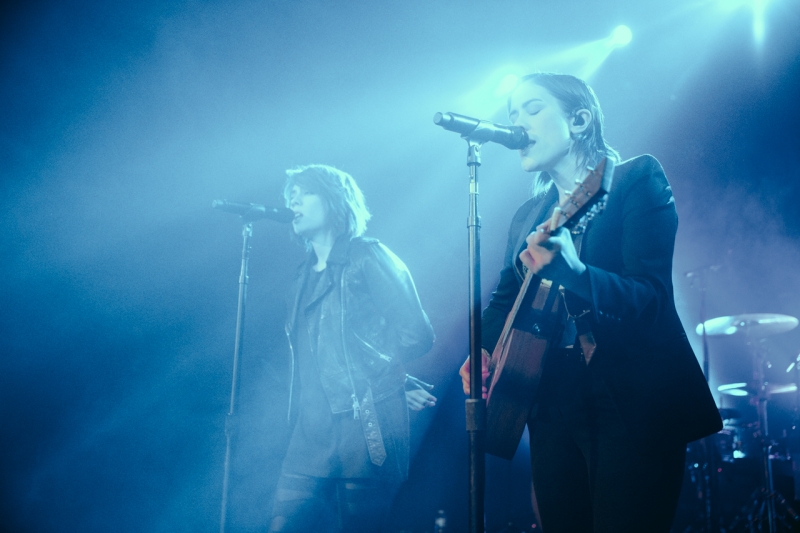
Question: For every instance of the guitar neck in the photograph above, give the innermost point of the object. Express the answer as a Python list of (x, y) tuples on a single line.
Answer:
[(517, 303)]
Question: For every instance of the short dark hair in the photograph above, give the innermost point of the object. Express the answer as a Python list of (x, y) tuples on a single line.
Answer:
[(347, 210), (573, 94)]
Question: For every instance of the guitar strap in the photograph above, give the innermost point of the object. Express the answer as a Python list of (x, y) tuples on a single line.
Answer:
[(578, 310)]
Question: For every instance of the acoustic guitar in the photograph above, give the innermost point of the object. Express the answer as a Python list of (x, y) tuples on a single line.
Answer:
[(533, 325)]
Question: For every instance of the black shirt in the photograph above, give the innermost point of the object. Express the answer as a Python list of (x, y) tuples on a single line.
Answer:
[(323, 444)]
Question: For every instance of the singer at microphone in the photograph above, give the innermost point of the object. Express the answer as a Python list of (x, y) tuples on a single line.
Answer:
[(619, 363), (356, 320), (513, 137)]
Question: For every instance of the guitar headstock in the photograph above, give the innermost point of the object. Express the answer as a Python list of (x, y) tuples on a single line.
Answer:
[(586, 199)]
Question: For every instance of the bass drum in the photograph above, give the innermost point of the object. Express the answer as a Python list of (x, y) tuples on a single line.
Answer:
[(728, 444), (746, 443)]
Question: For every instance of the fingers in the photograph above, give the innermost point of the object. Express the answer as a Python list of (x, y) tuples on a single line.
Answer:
[(419, 399), (415, 406), (542, 238), (465, 377), (464, 373), (541, 250), (542, 233), (428, 400), (527, 259)]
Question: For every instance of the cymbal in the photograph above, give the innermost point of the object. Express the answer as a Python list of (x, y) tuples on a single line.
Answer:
[(745, 389), (757, 324)]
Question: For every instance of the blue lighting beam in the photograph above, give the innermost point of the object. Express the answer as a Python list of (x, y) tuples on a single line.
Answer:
[(582, 60)]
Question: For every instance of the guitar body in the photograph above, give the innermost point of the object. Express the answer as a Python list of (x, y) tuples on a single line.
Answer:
[(516, 368), (534, 324)]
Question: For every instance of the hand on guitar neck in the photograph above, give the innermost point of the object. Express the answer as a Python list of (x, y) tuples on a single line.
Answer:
[(553, 256), (464, 373)]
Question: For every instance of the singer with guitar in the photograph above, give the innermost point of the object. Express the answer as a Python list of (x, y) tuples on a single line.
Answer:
[(356, 319), (614, 391)]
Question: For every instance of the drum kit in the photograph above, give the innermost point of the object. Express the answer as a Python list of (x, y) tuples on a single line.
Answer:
[(766, 510)]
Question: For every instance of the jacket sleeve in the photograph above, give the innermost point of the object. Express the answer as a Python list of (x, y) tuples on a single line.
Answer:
[(641, 290), (505, 294), (395, 296)]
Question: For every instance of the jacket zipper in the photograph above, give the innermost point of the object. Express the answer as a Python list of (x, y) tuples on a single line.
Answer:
[(291, 375), (356, 405)]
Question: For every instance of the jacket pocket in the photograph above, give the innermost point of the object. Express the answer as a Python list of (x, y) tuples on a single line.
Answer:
[(372, 356)]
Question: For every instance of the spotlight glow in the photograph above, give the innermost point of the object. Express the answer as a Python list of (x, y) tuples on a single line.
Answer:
[(582, 61), (506, 85), (758, 7), (621, 36), (490, 96)]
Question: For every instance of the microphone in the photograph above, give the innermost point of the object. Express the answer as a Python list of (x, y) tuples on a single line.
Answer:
[(513, 137), (252, 212)]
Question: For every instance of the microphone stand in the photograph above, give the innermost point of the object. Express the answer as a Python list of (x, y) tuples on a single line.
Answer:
[(476, 132), (475, 405), (230, 426)]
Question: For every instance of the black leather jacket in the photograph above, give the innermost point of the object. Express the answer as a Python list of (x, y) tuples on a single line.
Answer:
[(370, 322)]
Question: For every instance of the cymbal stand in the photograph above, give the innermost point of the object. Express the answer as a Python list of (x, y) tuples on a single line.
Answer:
[(708, 481), (794, 435), (765, 499)]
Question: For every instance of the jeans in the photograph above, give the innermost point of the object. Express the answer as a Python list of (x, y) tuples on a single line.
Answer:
[(305, 503)]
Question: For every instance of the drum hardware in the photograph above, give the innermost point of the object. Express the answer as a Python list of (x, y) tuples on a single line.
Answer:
[(752, 389), (726, 413), (794, 437), (754, 326), (767, 510), (707, 483), (751, 516), (751, 326)]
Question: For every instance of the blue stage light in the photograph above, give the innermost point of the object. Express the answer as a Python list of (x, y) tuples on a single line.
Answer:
[(758, 7), (506, 85), (582, 60), (621, 36)]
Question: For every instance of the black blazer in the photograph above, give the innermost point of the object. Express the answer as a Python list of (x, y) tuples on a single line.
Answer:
[(642, 354)]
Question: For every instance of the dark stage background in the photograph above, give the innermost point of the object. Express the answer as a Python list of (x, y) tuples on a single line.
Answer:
[(121, 122)]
